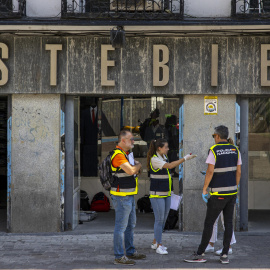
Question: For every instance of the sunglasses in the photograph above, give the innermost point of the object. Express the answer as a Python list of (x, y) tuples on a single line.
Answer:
[(214, 135)]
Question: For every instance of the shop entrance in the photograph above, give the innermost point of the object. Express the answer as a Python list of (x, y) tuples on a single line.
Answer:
[(3, 163), (259, 164), (101, 120)]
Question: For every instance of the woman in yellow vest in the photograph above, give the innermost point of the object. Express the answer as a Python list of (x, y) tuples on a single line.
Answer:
[(161, 186)]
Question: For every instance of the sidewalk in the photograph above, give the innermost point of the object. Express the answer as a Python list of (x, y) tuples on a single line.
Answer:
[(95, 251)]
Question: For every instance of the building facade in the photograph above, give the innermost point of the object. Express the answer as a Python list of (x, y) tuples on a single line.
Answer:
[(74, 73)]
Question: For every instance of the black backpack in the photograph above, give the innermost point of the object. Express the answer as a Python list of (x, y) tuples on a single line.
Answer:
[(171, 220), (105, 172), (144, 204), (84, 201)]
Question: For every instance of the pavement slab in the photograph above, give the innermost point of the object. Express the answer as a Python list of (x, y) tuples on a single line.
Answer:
[(95, 251)]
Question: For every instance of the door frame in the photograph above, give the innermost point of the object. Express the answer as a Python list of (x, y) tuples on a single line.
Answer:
[(72, 195)]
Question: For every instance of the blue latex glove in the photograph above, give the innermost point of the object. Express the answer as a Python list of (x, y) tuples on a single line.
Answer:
[(205, 197), (237, 201)]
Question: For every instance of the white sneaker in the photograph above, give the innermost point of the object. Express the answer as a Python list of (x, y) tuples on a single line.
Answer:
[(161, 251), (154, 246), (209, 249), (218, 252), (164, 247)]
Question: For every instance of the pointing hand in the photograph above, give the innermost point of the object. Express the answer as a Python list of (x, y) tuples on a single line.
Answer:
[(189, 156)]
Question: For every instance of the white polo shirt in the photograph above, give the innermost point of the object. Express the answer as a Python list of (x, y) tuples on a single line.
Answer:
[(158, 162)]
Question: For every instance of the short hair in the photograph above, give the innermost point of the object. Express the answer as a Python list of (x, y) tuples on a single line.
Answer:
[(123, 133), (222, 131)]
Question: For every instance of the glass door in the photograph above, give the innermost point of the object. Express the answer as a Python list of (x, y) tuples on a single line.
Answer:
[(259, 164), (148, 118)]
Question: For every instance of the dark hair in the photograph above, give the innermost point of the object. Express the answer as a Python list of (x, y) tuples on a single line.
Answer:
[(123, 133), (230, 141), (154, 145), (155, 111), (222, 131)]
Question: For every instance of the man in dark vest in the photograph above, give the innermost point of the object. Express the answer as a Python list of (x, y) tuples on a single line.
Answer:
[(222, 178), (122, 192)]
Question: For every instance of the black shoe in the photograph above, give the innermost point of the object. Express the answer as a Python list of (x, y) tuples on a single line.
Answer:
[(137, 256), (124, 260), (195, 258), (224, 259)]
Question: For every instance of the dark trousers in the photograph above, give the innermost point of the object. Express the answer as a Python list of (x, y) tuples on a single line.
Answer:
[(215, 205)]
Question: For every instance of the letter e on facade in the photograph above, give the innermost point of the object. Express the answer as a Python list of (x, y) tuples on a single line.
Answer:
[(265, 64), (160, 65), (53, 69), (3, 67), (105, 63)]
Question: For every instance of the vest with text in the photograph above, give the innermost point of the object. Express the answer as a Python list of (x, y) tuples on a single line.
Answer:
[(224, 179)]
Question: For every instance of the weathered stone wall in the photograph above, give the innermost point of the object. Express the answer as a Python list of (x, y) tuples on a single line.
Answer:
[(79, 65), (198, 130), (35, 150)]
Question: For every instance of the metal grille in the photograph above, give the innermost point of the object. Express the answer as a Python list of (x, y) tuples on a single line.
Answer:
[(123, 9), (8, 10), (256, 8), (139, 5)]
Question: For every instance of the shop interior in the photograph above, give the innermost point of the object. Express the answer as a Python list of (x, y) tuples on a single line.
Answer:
[(135, 112), (101, 120), (259, 165)]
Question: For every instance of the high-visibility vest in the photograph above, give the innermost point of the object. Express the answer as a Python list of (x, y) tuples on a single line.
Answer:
[(161, 183), (224, 179), (124, 183)]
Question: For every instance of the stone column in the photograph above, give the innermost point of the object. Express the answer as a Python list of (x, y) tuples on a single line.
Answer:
[(198, 129), (35, 196)]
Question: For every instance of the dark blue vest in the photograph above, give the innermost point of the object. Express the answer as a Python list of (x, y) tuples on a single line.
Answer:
[(124, 184), (224, 178), (160, 181)]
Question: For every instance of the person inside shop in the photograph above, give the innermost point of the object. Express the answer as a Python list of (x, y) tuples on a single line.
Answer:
[(222, 177), (161, 187), (89, 139), (151, 129), (122, 193)]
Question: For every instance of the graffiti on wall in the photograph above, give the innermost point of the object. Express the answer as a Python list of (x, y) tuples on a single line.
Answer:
[(33, 126)]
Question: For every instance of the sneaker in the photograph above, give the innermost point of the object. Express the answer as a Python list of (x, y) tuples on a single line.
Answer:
[(218, 252), (154, 246), (224, 259), (137, 256), (124, 260), (161, 250), (209, 249), (195, 258)]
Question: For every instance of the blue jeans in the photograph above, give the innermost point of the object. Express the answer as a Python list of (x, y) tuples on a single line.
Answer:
[(161, 207), (125, 221)]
